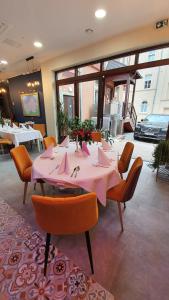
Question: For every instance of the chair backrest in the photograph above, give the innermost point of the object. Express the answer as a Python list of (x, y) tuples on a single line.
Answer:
[(126, 156), (21, 159), (41, 128), (69, 215), (132, 179), (49, 140), (96, 136)]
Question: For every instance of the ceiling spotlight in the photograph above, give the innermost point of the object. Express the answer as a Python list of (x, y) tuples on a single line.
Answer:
[(38, 44), (3, 62), (100, 13)]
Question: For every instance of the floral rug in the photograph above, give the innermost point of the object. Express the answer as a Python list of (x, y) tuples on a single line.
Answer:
[(22, 261)]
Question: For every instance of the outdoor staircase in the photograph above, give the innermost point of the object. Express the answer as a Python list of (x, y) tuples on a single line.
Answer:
[(130, 121)]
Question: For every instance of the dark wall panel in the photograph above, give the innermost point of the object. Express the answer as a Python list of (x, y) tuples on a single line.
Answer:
[(18, 85)]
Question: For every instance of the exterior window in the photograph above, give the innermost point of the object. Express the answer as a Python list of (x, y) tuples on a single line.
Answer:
[(151, 56), (147, 82), (144, 105)]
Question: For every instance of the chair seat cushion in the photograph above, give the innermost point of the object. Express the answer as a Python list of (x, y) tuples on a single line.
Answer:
[(117, 192), (5, 141), (27, 174)]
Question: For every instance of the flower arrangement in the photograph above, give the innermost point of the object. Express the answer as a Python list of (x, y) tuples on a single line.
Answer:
[(81, 131)]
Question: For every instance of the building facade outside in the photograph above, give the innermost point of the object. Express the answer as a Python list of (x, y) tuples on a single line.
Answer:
[(152, 90)]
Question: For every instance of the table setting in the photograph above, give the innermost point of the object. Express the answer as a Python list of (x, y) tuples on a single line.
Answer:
[(20, 134), (93, 167)]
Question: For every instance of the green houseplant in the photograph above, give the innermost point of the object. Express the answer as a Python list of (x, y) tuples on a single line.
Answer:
[(161, 154), (63, 122)]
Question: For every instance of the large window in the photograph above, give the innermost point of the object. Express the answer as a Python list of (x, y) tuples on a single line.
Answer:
[(66, 98), (154, 55), (88, 97), (66, 74), (92, 68), (91, 90), (119, 62)]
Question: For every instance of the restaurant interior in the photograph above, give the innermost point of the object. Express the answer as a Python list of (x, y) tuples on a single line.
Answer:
[(84, 207)]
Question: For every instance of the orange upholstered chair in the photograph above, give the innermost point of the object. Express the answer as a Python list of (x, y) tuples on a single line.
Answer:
[(41, 128), (62, 216), (124, 161), (23, 165), (125, 189), (49, 140), (96, 136), (4, 142)]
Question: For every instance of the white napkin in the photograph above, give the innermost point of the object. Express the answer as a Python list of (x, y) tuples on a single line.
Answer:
[(103, 160), (30, 127), (48, 153), (24, 127), (64, 166), (65, 142), (105, 145)]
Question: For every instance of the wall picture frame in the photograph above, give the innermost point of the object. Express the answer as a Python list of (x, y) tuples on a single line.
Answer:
[(30, 104)]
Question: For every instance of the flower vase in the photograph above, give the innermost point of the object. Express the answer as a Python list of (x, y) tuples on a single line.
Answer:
[(77, 144), (80, 143)]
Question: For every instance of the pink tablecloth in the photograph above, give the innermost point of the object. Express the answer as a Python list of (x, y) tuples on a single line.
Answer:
[(90, 177)]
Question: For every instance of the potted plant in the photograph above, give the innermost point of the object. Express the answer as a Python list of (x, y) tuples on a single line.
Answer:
[(161, 157), (161, 154), (63, 122)]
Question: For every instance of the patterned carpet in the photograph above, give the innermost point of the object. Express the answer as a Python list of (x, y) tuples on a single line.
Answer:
[(21, 266)]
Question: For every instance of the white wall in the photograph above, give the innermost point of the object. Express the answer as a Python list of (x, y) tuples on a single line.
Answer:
[(139, 38)]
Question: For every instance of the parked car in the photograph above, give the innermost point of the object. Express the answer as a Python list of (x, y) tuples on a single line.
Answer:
[(153, 127)]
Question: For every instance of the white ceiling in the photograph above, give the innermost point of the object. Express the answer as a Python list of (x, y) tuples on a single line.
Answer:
[(60, 25)]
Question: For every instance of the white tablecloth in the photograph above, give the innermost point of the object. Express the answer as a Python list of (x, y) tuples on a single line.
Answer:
[(90, 177), (19, 135)]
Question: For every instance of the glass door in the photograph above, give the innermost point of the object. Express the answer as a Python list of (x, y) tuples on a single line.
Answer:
[(67, 99), (88, 100)]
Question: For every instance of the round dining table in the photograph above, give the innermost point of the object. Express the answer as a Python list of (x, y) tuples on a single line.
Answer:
[(91, 176)]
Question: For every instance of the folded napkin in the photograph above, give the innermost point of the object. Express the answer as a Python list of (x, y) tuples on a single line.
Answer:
[(103, 159), (24, 127), (64, 166), (85, 149), (105, 145), (14, 125), (48, 153), (30, 127), (65, 142)]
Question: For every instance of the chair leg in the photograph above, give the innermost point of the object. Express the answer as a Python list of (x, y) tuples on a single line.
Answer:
[(121, 175), (124, 205), (89, 250), (42, 188), (25, 191), (48, 236), (120, 215)]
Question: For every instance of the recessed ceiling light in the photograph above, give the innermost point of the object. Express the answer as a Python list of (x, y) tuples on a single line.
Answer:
[(38, 44), (100, 13), (3, 62)]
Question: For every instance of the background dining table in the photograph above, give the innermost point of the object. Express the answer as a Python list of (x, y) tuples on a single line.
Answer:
[(20, 135), (91, 176)]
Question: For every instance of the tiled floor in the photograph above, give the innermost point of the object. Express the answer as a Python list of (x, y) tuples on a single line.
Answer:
[(133, 265)]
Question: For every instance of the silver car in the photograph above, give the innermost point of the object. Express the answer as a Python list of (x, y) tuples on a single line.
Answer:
[(153, 127)]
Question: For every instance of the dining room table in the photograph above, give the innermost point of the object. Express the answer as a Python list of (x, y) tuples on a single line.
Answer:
[(85, 170), (19, 135)]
